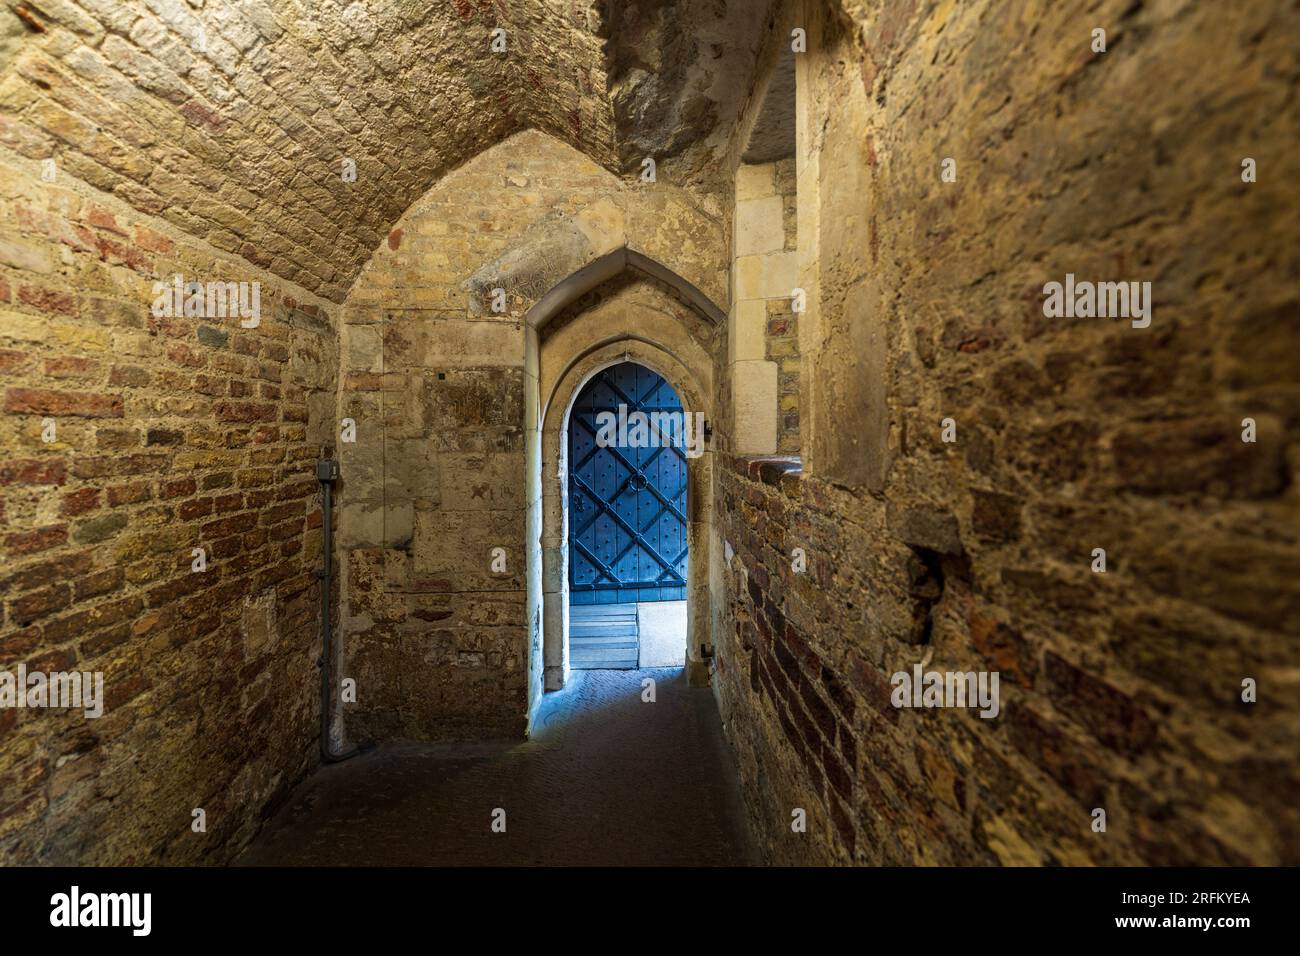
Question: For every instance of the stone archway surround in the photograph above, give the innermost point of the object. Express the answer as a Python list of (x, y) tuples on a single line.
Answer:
[(695, 395)]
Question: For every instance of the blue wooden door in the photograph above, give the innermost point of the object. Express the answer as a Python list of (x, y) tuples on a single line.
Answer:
[(627, 504)]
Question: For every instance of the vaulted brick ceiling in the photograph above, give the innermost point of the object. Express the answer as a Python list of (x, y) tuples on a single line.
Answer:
[(233, 118)]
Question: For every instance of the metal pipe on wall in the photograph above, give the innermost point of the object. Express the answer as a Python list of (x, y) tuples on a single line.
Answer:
[(327, 472)]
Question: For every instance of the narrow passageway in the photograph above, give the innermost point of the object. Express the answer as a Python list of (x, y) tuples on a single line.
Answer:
[(605, 779), (911, 384)]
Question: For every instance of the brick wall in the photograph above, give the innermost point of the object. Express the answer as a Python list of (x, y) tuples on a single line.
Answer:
[(1119, 690), (170, 433)]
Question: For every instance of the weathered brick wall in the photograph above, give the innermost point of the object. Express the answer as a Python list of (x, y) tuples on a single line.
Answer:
[(1119, 690), (171, 433), (443, 391)]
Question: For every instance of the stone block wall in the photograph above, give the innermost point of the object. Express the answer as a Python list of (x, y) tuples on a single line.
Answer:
[(445, 394), (130, 439), (763, 351), (1120, 690), (629, 318)]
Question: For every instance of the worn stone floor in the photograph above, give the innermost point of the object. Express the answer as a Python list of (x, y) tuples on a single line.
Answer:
[(606, 779)]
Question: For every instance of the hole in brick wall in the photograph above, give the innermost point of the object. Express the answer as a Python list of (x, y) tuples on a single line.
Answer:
[(925, 569), (930, 574)]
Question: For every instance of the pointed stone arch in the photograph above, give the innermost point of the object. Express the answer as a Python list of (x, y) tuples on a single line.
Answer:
[(608, 266), (560, 365)]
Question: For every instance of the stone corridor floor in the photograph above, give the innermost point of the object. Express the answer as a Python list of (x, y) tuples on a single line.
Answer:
[(606, 779)]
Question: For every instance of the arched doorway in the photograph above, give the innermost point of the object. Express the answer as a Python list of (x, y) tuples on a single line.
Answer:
[(629, 441), (648, 315), (561, 394)]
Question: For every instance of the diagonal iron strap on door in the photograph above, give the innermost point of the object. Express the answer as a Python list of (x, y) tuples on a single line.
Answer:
[(627, 505)]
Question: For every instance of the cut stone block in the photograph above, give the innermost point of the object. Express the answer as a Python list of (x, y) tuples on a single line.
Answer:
[(754, 395), (759, 226), (748, 339), (770, 276), (754, 182)]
